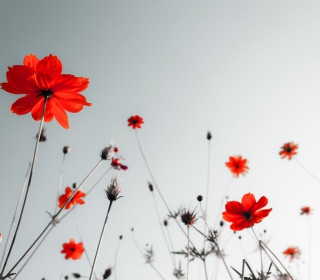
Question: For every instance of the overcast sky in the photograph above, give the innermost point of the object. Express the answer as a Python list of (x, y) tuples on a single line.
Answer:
[(248, 71)]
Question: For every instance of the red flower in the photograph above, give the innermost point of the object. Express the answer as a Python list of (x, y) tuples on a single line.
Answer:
[(135, 122), (73, 250), (305, 210), (245, 214), (77, 198), (40, 79), (117, 165), (288, 150), (237, 165), (293, 252)]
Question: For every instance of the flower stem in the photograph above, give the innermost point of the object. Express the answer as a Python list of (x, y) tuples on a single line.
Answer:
[(54, 218), (156, 271), (260, 249), (188, 263), (60, 180), (242, 273), (99, 244), (15, 214), (115, 260), (28, 186), (307, 170)]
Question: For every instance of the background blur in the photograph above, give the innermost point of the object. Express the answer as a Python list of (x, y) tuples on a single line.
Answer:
[(248, 71)]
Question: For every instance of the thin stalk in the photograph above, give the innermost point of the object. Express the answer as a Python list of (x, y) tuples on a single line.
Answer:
[(15, 214), (156, 271), (219, 251), (28, 186), (264, 245), (163, 234), (171, 244), (188, 263), (78, 230), (99, 244), (224, 197), (60, 181), (54, 218), (136, 243), (115, 259), (208, 177), (64, 267), (205, 268), (259, 242), (248, 266), (307, 170), (309, 241), (242, 273)]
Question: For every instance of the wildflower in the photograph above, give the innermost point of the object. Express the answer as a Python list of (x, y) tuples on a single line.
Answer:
[(77, 198), (66, 150), (40, 80), (135, 122), (305, 210), (117, 165), (288, 150), (107, 152), (237, 165), (188, 217), (245, 214), (73, 250), (292, 252), (114, 189), (43, 135)]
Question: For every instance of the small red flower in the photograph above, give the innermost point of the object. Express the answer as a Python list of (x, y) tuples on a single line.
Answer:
[(237, 165), (40, 79), (288, 150), (73, 250), (117, 165), (245, 214), (135, 122), (292, 252), (77, 198), (305, 210)]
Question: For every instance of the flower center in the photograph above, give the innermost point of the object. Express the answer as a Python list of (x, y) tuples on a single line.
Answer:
[(72, 249), (288, 150), (134, 121), (247, 215), (46, 93)]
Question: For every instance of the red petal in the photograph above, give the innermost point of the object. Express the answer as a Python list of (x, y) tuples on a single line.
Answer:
[(37, 110), (31, 61), (69, 83), (60, 114), (234, 207), (24, 104), (50, 66), (262, 202), (48, 116), (240, 225), (70, 106), (258, 216), (248, 201)]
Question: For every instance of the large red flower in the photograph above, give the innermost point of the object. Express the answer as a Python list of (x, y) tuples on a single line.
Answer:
[(288, 150), (237, 165), (40, 79), (247, 213), (73, 250), (135, 121), (77, 198)]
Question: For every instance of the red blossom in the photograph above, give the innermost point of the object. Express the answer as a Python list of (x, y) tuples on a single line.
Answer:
[(77, 198), (73, 250), (117, 165), (41, 79), (288, 150), (292, 252), (237, 165), (305, 210), (135, 121), (247, 213)]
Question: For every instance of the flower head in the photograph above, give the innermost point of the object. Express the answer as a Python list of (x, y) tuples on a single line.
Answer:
[(135, 122), (288, 150), (107, 152), (73, 250), (43, 135), (305, 210), (247, 213), (292, 252), (77, 198), (117, 165), (40, 80), (66, 150), (114, 189), (237, 165), (188, 217)]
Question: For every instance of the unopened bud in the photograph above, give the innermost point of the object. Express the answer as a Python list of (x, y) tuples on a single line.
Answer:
[(66, 149)]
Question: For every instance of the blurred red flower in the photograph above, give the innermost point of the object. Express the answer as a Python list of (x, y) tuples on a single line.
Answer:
[(117, 165), (237, 165), (305, 210), (135, 122), (77, 198), (40, 79), (73, 250), (288, 150), (245, 214), (292, 252)]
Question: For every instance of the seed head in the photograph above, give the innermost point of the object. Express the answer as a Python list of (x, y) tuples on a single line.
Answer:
[(188, 217), (66, 150), (150, 186), (43, 135), (107, 273), (107, 152), (114, 189), (199, 198), (209, 136), (76, 275)]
